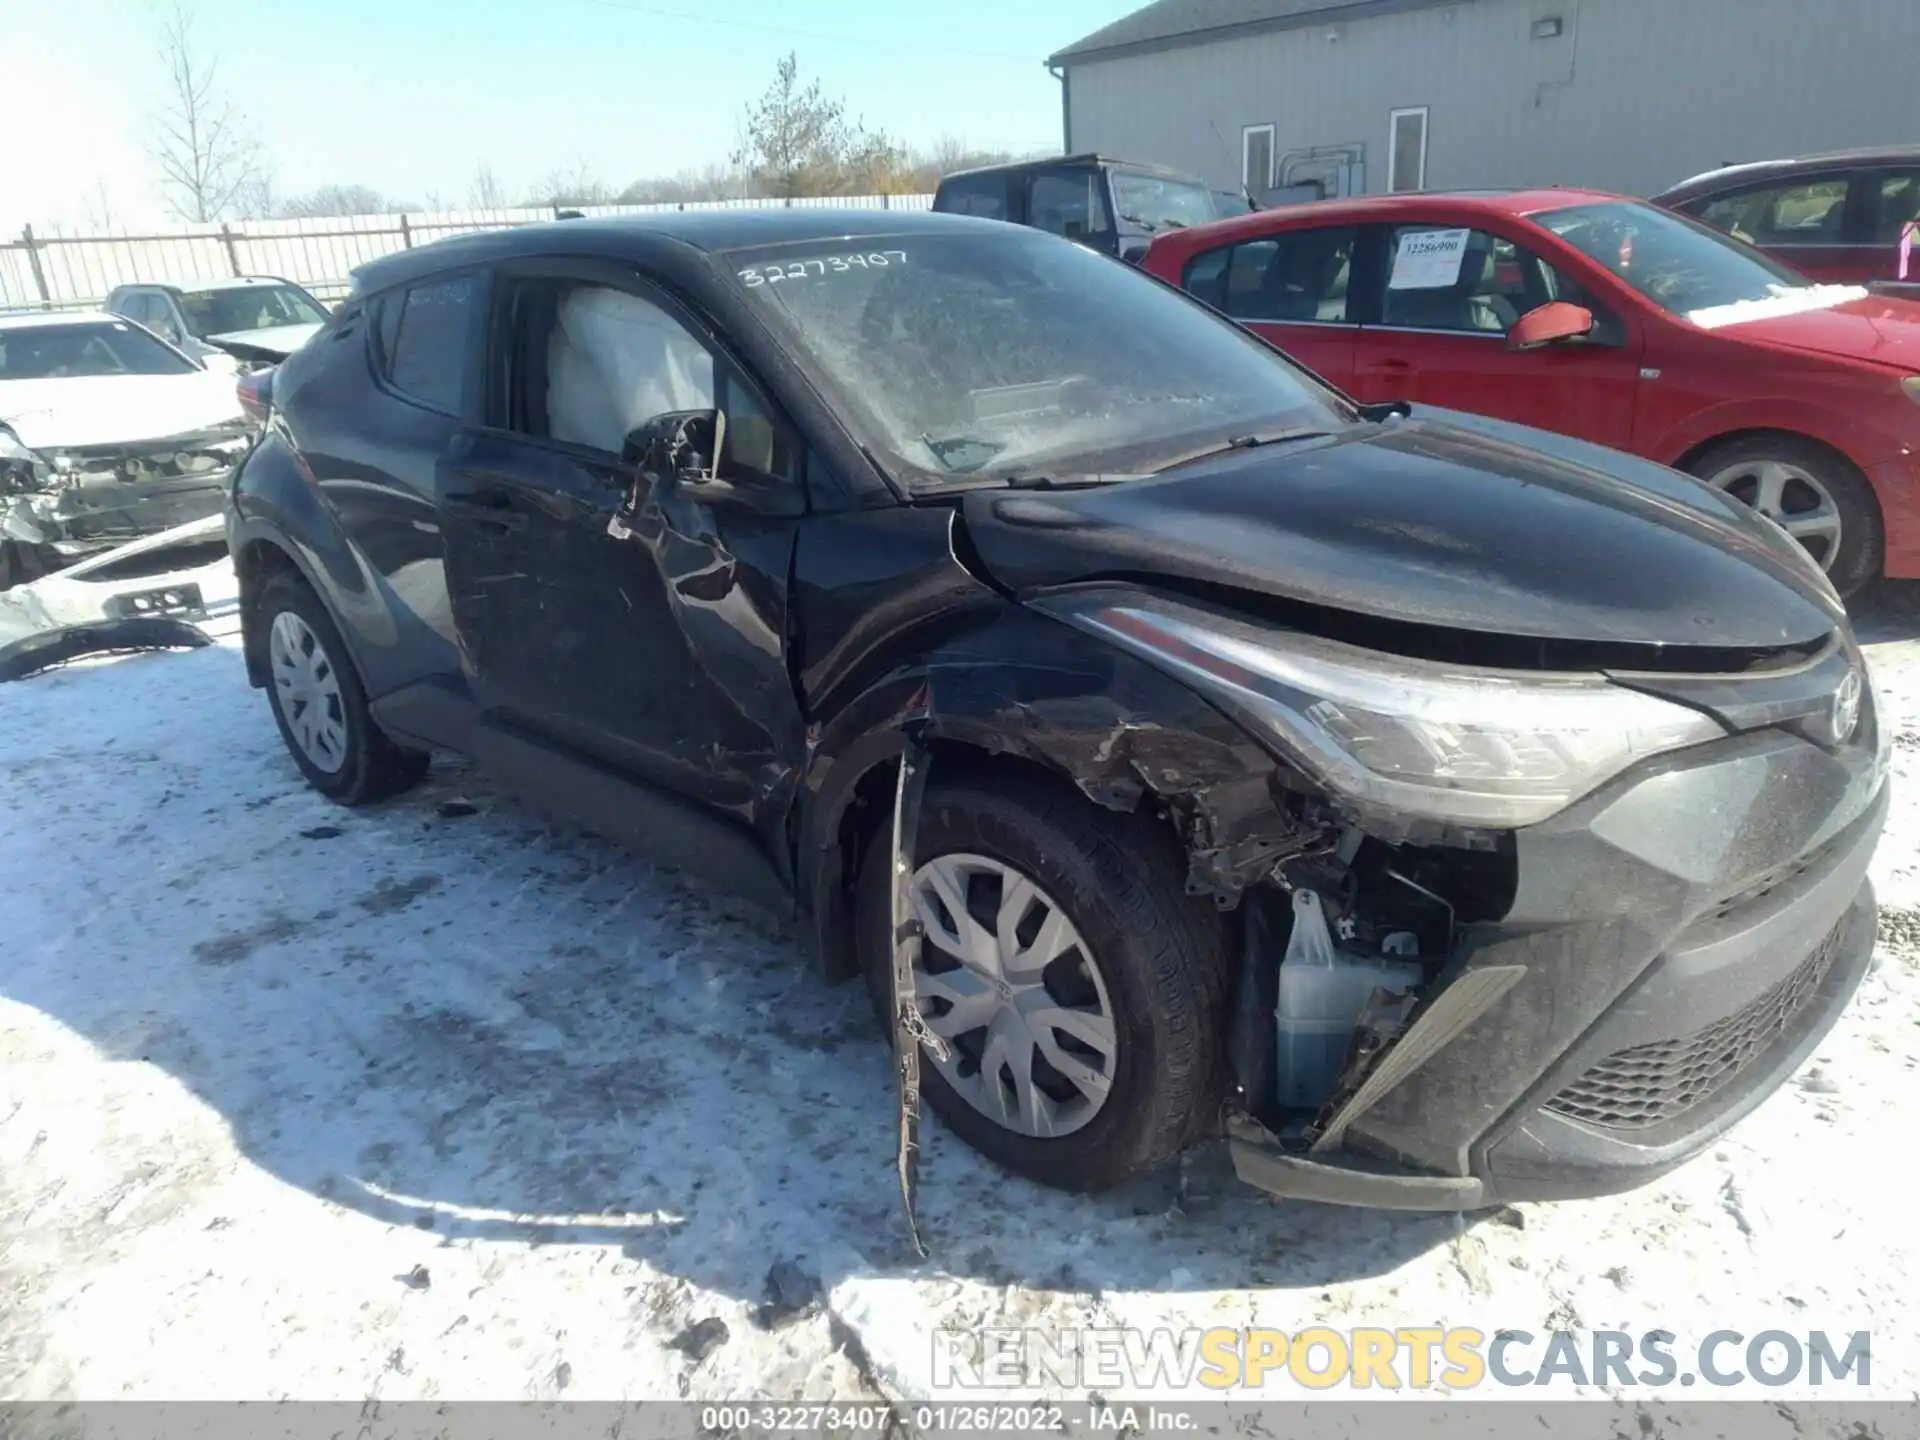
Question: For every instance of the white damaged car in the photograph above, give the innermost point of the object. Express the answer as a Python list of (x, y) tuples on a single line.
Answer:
[(107, 434)]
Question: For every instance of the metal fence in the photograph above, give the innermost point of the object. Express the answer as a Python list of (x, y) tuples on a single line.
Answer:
[(57, 271)]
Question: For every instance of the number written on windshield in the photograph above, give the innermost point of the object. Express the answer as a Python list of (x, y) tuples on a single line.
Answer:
[(757, 275)]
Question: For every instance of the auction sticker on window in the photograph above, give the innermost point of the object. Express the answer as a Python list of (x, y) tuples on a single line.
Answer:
[(1428, 259)]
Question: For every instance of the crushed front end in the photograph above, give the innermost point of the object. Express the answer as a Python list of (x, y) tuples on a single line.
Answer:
[(61, 504), (1543, 943)]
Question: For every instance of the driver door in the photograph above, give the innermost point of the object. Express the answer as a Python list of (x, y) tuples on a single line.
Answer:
[(1449, 295), (637, 621)]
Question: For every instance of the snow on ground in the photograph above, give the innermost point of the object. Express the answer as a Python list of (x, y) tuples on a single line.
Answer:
[(301, 1102)]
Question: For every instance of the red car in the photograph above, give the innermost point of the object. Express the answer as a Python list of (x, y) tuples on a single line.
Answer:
[(1607, 319), (1834, 217)]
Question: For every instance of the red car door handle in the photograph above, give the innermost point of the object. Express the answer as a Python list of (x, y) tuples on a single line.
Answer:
[(1385, 367)]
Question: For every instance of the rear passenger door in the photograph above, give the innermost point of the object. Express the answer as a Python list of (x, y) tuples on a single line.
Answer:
[(640, 622), (1294, 288)]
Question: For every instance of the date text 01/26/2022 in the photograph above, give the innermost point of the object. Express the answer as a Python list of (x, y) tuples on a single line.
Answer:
[(756, 275)]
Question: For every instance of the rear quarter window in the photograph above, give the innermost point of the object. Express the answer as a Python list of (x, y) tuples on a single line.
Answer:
[(429, 341), (981, 195)]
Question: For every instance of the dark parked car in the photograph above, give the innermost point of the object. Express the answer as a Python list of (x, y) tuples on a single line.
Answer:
[(1450, 811), (1114, 206), (1833, 217)]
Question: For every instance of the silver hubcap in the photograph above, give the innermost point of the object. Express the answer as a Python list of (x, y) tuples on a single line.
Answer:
[(1006, 979), (1790, 497), (309, 692)]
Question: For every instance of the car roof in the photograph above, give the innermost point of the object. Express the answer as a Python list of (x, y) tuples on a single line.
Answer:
[(1009, 167), (638, 236), (1379, 209), (1802, 164), (202, 287), (40, 319)]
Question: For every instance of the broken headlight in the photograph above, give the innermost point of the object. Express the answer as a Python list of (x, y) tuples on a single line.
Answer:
[(1483, 749)]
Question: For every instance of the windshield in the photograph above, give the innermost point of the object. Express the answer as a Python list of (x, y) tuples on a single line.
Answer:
[(1008, 352), (1155, 202), (1685, 267), (249, 307), (56, 352)]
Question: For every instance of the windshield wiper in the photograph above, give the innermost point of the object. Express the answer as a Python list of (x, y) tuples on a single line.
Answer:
[(1251, 441)]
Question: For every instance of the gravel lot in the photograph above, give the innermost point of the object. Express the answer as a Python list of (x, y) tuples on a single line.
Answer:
[(441, 1100)]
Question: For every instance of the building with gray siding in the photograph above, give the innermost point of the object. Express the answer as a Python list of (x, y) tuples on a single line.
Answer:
[(1296, 98)]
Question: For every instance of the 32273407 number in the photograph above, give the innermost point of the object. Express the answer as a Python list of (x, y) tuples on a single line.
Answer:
[(754, 276)]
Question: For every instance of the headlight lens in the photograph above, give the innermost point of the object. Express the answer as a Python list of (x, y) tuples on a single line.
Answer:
[(1482, 749), (1912, 386)]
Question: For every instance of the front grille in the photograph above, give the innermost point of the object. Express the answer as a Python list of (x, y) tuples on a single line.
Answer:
[(1651, 1084)]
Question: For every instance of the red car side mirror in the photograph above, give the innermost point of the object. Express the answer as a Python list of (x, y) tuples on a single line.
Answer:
[(1552, 324)]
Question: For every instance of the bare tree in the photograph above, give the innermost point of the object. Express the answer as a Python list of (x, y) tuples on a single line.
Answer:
[(572, 185), (708, 182), (486, 192), (99, 206), (341, 200), (201, 147)]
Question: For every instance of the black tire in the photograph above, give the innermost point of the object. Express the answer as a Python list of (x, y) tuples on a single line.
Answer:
[(1161, 954), (375, 767), (1863, 532)]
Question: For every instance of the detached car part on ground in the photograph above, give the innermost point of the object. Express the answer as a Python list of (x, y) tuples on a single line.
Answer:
[(170, 591), (1451, 812), (107, 435)]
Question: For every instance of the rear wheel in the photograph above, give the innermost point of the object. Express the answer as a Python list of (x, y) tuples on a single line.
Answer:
[(1816, 496), (1078, 987), (319, 704)]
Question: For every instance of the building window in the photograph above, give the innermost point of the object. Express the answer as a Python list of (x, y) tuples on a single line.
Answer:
[(1407, 151), (1256, 159)]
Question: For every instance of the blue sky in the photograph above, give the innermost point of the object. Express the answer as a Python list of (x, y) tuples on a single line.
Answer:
[(409, 96)]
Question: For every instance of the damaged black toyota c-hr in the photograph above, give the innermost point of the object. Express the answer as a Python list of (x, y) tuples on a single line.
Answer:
[(1447, 812)]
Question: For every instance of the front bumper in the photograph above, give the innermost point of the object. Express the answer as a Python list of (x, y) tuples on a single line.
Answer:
[(1678, 945), (75, 502)]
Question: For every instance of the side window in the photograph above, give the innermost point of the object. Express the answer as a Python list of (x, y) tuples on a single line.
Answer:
[(1069, 203), (1897, 207), (431, 330), (160, 318), (982, 195), (1301, 276), (592, 363), (137, 307), (1805, 213), (1466, 281)]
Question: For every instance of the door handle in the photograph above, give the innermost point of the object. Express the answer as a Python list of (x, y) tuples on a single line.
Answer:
[(1385, 367), (492, 509)]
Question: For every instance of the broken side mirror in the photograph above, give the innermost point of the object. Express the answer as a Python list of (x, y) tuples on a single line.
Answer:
[(1554, 323), (678, 447)]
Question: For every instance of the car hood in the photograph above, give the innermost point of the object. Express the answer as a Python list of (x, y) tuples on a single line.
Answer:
[(274, 342), (86, 410), (1437, 520), (1881, 329)]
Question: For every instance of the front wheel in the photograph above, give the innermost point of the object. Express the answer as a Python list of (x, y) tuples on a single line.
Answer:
[(319, 704), (1078, 986), (1815, 495)]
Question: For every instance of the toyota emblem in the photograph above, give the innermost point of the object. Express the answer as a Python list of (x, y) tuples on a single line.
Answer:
[(1845, 714)]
